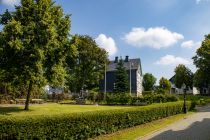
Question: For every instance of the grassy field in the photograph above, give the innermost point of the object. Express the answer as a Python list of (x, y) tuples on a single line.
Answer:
[(50, 109), (142, 130)]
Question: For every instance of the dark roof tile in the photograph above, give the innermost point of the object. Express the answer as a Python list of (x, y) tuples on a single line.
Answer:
[(136, 63)]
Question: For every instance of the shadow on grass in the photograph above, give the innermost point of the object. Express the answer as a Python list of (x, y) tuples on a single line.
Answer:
[(8, 110)]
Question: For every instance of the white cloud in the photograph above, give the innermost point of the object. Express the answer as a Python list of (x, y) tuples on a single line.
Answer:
[(173, 60), (190, 44), (10, 2), (107, 43), (158, 37)]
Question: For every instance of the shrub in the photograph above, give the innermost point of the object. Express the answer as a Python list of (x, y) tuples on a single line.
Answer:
[(120, 98), (160, 91), (147, 93), (160, 98), (83, 125)]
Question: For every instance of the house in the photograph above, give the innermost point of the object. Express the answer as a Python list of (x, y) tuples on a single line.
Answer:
[(134, 71), (175, 90)]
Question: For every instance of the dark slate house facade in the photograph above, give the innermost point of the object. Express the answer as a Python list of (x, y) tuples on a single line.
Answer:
[(134, 69)]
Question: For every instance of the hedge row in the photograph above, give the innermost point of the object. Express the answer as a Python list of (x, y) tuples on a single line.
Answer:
[(123, 99), (84, 125)]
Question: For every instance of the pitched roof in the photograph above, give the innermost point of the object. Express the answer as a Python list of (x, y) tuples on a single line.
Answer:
[(135, 64)]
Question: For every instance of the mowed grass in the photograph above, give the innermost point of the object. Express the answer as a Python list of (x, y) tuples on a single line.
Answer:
[(142, 130), (50, 109)]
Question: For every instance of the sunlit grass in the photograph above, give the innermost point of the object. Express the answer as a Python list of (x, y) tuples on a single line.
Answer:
[(51, 109)]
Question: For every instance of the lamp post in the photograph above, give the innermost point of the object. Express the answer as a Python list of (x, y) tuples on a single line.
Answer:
[(184, 106)]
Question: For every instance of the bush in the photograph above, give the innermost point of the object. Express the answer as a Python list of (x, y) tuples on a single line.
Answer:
[(160, 91), (118, 99), (147, 93), (83, 125), (197, 99), (160, 98)]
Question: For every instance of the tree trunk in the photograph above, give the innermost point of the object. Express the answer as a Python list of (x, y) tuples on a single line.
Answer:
[(28, 96)]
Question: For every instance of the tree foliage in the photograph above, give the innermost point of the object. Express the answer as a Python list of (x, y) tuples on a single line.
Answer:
[(6, 17), (148, 82), (165, 84), (121, 81), (87, 66), (183, 75), (33, 44), (202, 62)]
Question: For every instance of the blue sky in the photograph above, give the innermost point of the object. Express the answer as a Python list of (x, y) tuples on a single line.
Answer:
[(163, 33)]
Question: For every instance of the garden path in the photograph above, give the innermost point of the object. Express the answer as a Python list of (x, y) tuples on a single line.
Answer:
[(192, 127)]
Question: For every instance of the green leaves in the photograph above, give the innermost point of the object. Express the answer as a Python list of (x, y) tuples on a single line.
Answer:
[(165, 84), (33, 43), (148, 82), (86, 63), (202, 62), (183, 75), (121, 81)]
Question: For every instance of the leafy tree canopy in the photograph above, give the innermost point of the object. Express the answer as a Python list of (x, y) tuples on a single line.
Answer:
[(148, 82), (202, 62), (33, 44), (165, 84), (88, 65), (183, 75)]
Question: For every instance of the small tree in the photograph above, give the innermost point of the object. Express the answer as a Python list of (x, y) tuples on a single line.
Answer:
[(148, 82), (165, 84), (121, 81), (183, 75)]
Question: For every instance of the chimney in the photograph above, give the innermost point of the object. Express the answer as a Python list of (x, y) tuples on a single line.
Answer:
[(126, 58), (116, 60)]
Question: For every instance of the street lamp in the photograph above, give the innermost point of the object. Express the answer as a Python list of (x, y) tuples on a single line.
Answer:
[(185, 90)]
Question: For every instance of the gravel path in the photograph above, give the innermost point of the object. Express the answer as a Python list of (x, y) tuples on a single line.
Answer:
[(193, 127)]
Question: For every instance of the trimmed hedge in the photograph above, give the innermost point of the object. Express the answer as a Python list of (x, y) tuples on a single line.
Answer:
[(126, 99), (84, 125)]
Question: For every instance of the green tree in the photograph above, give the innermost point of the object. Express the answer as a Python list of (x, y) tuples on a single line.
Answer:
[(202, 62), (164, 84), (6, 17), (183, 75), (87, 66), (199, 79), (148, 82), (33, 45), (121, 81)]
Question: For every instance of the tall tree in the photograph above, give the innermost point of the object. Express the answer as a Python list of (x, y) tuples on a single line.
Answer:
[(165, 84), (202, 62), (33, 45), (183, 75), (199, 79), (6, 17), (87, 65), (121, 81), (148, 82)]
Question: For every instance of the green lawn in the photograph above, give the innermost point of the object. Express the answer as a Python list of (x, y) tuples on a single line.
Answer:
[(51, 109)]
